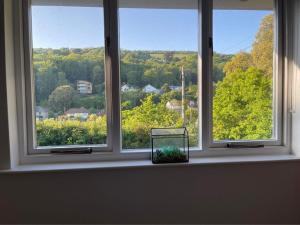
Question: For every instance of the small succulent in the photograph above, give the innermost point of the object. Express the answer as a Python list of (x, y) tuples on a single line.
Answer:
[(169, 154)]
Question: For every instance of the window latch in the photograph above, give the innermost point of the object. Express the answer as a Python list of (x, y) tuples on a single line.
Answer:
[(210, 43), (107, 43), (245, 145), (72, 151)]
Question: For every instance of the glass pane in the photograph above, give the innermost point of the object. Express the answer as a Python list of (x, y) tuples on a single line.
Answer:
[(158, 44), (68, 68), (243, 34)]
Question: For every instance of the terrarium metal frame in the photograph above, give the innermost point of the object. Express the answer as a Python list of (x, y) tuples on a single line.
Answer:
[(185, 149)]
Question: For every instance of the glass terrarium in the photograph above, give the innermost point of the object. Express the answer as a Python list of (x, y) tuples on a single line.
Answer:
[(170, 145)]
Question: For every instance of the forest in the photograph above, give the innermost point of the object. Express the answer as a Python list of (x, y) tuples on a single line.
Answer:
[(242, 102)]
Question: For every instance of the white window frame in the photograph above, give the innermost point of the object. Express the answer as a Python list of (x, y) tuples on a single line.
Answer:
[(25, 81), (114, 150), (278, 77)]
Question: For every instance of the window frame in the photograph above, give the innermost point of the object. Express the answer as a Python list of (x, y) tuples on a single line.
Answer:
[(30, 91), (114, 150), (278, 77)]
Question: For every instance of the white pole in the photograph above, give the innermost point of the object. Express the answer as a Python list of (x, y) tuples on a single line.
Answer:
[(183, 95)]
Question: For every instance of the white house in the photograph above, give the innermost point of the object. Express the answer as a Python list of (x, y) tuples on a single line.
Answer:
[(77, 113), (84, 87), (127, 87), (150, 89), (41, 113), (174, 105)]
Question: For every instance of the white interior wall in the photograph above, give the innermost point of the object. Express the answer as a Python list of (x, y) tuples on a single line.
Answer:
[(225, 193), (250, 193)]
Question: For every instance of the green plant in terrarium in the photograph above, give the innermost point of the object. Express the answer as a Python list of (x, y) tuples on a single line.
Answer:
[(169, 154)]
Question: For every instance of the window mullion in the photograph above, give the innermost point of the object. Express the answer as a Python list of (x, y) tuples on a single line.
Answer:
[(112, 74), (205, 56)]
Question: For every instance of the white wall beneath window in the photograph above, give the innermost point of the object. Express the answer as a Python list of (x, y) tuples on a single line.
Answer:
[(234, 193)]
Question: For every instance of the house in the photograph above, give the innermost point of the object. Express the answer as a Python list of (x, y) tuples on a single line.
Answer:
[(77, 113), (150, 89), (175, 88), (127, 87), (174, 105), (84, 87), (41, 113)]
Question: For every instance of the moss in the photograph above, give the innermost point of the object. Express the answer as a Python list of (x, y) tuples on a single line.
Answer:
[(169, 154)]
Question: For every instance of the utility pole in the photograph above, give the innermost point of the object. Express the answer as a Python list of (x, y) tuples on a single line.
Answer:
[(183, 95)]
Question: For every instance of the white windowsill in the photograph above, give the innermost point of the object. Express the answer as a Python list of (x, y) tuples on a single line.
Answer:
[(146, 163)]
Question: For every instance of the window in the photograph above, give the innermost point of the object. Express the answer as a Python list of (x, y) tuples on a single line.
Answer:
[(159, 74), (67, 89), (101, 74), (244, 83)]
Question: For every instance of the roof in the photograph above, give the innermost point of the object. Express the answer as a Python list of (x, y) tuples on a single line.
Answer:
[(127, 87), (83, 81), (77, 110), (150, 88)]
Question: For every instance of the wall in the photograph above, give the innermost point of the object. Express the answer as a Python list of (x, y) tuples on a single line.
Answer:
[(233, 193)]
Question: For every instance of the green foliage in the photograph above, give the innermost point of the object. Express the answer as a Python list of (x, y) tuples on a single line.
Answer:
[(52, 132), (243, 106), (61, 98), (262, 51), (241, 61), (219, 61), (131, 99), (137, 123), (89, 102), (242, 102), (169, 154)]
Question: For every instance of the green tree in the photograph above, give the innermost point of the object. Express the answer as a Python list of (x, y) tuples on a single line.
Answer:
[(165, 88), (243, 106), (137, 123), (219, 61), (61, 98), (262, 49), (132, 98), (241, 61)]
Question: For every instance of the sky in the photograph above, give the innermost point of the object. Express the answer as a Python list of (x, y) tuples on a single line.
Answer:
[(143, 29)]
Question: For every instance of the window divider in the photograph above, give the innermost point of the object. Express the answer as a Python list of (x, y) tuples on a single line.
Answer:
[(28, 74), (113, 73), (205, 52)]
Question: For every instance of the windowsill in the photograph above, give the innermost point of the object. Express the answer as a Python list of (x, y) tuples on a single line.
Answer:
[(54, 167)]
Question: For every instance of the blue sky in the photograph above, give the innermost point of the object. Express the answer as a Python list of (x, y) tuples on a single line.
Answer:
[(142, 29)]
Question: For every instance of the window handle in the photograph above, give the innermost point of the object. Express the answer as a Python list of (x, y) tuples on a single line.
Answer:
[(72, 151), (246, 145), (211, 43), (107, 44)]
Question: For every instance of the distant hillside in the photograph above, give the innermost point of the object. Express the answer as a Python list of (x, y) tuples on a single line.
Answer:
[(55, 67)]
